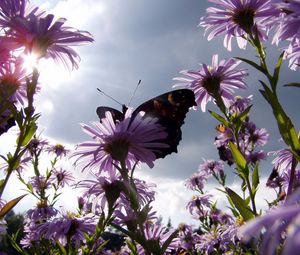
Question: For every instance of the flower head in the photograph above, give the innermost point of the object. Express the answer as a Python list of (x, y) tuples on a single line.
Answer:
[(239, 105), (210, 82), (14, 9), (131, 140), (196, 181), (278, 227), (212, 167), (46, 38), (13, 82), (283, 159), (58, 149), (289, 21), (288, 29), (238, 18), (61, 177), (68, 227)]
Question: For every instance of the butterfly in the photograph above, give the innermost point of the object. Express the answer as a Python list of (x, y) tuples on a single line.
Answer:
[(221, 128), (170, 109)]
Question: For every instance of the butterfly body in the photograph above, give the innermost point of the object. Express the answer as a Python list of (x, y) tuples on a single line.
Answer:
[(170, 110)]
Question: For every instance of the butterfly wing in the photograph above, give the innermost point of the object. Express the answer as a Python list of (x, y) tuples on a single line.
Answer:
[(170, 109), (117, 115), (6, 123)]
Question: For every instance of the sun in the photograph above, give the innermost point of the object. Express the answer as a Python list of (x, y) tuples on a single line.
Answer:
[(30, 61), (49, 71)]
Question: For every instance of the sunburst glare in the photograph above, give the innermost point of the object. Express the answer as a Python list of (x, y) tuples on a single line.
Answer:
[(30, 61)]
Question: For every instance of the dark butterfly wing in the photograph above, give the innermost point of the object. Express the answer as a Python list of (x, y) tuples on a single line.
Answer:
[(5, 125), (117, 115), (170, 109)]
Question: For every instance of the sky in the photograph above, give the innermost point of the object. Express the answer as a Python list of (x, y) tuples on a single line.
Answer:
[(149, 41)]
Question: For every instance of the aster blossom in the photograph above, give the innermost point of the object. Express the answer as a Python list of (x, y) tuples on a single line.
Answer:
[(239, 18), (68, 227), (131, 140), (288, 29), (44, 37), (13, 9), (210, 82), (13, 82), (279, 226), (156, 235)]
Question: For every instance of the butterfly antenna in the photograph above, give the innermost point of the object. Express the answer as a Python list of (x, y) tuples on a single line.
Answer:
[(133, 94), (101, 91)]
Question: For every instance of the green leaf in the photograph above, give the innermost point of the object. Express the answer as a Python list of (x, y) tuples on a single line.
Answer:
[(277, 71), (30, 133), (285, 125), (255, 65), (1, 183), (247, 200), (240, 204), (245, 113), (101, 246), (218, 117), (8, 206), (61, 248), (292, 84), (255, 177), (239, 160)]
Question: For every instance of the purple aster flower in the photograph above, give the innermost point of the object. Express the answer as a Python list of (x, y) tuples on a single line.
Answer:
[(280, 226), (256, 136), (36, 145), (5, 55), (39, 183), (187, 237), (212, 167), (293, 54), (58, 149), (42, 212), (196, 181), (99, 192), (210, 82), (229, 236), (286, 178), (62, 177), (133, 140), (69, 227), (144, 191), (289, 21), (13, 82), (125, 215), (256, 156), (283, 160), (13, 9), (45, 38), (239, 18), (240, 104), (84, 205), (219, 217), (288, 29), (206, 242), (156, 233), (199, 206)]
